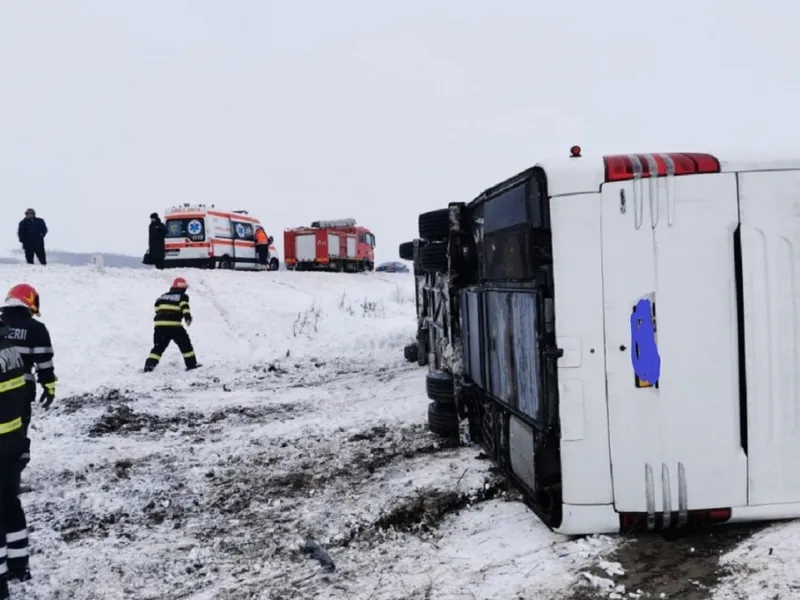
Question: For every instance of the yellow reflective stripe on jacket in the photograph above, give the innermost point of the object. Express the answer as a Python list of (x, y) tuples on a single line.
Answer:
[(168, 307), (168, 323), (11, 426), (12, 384)]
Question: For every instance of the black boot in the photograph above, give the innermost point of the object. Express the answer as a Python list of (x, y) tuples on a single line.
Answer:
[(22, 575), (4, 588)]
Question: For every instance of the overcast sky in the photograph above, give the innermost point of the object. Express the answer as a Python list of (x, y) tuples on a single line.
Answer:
[(301, 110)]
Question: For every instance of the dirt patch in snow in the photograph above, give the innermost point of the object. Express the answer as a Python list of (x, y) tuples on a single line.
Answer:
[(121, 418), (687, 567), (425, 509), (102, 398)]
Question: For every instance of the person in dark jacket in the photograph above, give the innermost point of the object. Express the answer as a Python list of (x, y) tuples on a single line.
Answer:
[(31, 339), (14, 553), (158, 235), (172, 309), (31, 232)]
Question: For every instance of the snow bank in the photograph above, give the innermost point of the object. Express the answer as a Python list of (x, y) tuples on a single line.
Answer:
[(304, 422), (101, 323)]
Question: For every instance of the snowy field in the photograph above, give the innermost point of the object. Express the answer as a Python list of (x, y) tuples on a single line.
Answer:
[(304, 423)]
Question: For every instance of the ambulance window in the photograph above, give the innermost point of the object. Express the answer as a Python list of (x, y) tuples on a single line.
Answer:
[(244, 231), (193, 229)]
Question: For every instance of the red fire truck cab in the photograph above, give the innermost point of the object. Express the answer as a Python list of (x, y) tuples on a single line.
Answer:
[(338, 245)]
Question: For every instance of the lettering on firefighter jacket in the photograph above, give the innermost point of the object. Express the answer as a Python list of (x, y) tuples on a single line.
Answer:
[(171, 308), (32, 340)]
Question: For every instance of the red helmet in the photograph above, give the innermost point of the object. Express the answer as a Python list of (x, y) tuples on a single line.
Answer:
[(179, 283), (23, 294)]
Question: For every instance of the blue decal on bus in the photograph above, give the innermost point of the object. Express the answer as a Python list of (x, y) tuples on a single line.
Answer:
[(644, 351)]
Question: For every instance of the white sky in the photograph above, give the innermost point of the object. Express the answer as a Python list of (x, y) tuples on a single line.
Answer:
[(301, 110)]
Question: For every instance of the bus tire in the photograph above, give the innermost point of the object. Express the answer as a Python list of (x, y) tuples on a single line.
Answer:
[(440, 387), (443, 420), (406, 251), (433, 257), (435, 225)]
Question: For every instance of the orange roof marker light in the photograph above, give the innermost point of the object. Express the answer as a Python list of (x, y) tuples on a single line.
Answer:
[(575, 152)]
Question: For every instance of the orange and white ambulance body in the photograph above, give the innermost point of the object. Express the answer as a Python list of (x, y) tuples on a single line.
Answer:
[(211, 238)]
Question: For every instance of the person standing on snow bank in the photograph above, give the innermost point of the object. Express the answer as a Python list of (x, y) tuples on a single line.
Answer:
[(157, 238), (31, 233), (31, 339), (14, 553), (172, 309)]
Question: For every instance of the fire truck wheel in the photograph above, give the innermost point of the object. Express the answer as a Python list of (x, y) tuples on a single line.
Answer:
[(433, 257), (443, 420), (407, 251), (435, 225), (439, 386)]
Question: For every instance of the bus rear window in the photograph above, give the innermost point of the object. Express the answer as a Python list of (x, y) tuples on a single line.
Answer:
[(192, 229)]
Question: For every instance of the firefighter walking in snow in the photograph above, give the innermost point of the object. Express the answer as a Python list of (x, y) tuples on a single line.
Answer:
[(13, 527), (172, 309), (32, 340)]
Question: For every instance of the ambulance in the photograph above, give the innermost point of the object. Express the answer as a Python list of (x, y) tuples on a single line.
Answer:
[(211, 238), (621, 334)]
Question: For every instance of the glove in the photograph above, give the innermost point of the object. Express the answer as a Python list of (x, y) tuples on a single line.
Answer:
[(188, 321), (48, 395)]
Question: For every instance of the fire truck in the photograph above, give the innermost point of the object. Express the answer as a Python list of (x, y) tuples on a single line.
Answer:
[(338, 245)]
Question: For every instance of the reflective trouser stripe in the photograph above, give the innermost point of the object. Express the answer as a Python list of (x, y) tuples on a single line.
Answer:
[(168, 323), (17, 536), (10, 426)]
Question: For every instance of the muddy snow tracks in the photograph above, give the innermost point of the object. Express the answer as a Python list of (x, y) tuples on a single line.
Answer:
[(652, 566)]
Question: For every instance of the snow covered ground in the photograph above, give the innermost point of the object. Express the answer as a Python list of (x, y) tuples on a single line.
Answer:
[(304, 422)]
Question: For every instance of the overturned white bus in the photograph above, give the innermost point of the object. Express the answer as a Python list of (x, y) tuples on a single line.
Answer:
[(622, 337)]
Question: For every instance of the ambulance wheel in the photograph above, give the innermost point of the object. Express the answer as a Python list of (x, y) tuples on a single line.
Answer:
[(433, 257), (406, 251), (225, 262), (435, 225), (443, 420), (440, 388), (273, 264)]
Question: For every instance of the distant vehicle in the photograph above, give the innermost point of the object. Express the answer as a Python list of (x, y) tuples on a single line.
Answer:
[(338, 245), (391, 267), (620, 334), (210, 238)]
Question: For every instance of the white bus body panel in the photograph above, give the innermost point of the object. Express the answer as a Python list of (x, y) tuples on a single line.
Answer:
[(578, 283), (671, 241), (770, 216)]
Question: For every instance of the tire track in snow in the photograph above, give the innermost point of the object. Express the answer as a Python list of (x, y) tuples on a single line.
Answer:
[(226, 317)]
